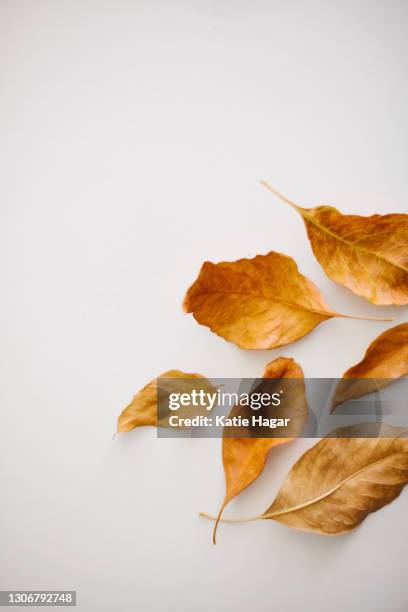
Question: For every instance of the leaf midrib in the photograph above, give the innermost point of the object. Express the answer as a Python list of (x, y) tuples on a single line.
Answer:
[(256, 295), (331, 491)]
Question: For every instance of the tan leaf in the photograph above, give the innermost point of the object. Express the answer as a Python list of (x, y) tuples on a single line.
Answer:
[(369, 255), (338, 482), (244, 458), (259, 303), (385, 360), (333, 487), (143, 408)]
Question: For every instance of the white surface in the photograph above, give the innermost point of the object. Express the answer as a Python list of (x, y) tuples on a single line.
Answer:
[(133, 135)]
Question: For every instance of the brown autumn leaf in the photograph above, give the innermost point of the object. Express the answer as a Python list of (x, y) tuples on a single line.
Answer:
[(338, 482), (385, 360), (333, 487), (369, 255), (259, 303), (244, 458), (142, 410)]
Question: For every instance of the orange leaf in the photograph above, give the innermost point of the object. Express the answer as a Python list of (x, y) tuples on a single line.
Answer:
[(386, 359), (259, 303), (143, 409), (369, 255), (244, 458)]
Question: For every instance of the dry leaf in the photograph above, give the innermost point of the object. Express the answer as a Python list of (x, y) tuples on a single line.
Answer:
[(259, 303), (244, 458), (333, 487), (338, 482), (143, 408), (369, 255), (386, 359)]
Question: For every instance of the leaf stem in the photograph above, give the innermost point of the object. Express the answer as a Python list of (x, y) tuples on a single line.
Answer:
[(218, 518), (361, 318), (280, 196)]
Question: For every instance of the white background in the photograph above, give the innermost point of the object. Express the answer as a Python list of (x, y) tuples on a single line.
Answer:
[(133, 135)]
